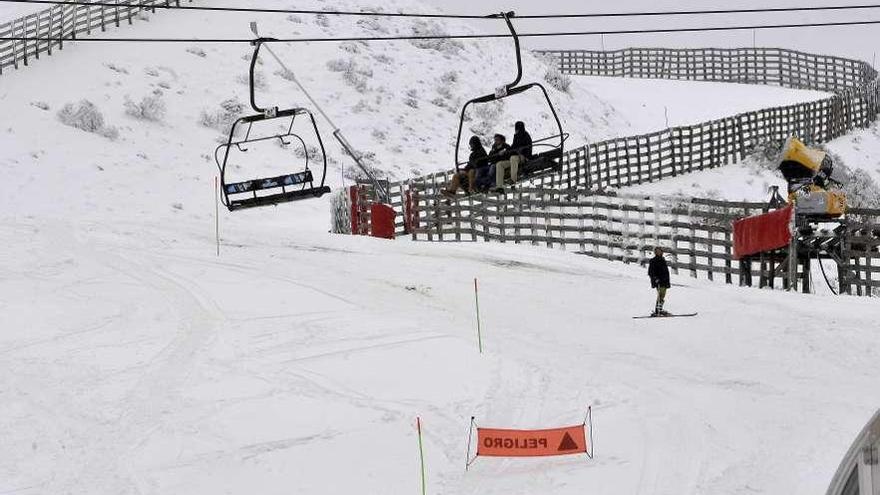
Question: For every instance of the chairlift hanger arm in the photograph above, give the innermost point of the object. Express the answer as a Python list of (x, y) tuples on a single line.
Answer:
[(519, 69), (258, 43)]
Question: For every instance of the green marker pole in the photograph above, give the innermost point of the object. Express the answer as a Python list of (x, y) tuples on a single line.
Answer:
[(477, 303), (421, 455)]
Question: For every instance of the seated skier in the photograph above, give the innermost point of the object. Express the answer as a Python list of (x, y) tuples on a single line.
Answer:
[(520, 153), (466, 178), (658, 272), (498, 154)]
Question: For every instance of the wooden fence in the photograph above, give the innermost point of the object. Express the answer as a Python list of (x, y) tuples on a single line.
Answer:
[(696, 233), (633, 160), (767, 66), (44, 31)]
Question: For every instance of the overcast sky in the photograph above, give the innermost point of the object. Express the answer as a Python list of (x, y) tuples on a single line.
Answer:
[(860, 41)]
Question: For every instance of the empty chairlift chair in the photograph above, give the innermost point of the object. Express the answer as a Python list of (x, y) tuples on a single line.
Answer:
[(543, 162), (294, 185)]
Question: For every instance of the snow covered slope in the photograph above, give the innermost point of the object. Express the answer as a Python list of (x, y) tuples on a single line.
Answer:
[(135, 361)]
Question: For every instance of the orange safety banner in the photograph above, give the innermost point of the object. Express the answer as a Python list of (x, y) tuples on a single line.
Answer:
[(532, 443)]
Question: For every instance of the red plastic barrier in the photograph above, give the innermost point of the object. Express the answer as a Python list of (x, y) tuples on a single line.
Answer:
[(493, 442), (762, 233), (382, 221), (354, 195)]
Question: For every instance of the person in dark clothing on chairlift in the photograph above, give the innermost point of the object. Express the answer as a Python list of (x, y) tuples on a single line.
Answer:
[(521, 151), (499, 153), (466, 178)]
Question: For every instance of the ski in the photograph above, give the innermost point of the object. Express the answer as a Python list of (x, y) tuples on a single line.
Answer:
[(666, 316)]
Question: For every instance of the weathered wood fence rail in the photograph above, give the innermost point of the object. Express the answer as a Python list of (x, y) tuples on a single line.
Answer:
[(697, 233), (44, 31)]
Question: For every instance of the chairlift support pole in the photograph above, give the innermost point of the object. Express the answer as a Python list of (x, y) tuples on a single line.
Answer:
[(337, 132)]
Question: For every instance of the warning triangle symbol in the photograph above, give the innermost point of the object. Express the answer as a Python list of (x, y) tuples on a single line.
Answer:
[(567, 443)]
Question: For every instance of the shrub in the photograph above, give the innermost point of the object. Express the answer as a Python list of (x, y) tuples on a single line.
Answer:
[(372, 25), (557, 79), (411, 99), (350, 47), (223, 117), (352, 74), (116, 68), (150, 108), (260, 80), (198, 52), (85, 116), (431, 28)]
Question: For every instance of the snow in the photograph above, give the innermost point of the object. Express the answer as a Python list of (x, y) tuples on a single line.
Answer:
[(749, 180), (297, 362), (134, 360), (860, 149), (12, 11)]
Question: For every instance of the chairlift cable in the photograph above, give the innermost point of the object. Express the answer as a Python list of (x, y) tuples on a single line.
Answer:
[(553, 34), (766, 10), (337, 133)]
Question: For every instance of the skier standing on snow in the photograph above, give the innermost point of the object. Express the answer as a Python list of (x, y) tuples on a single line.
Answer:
[(658, 271)]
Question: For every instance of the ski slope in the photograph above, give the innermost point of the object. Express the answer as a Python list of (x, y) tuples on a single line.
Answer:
[(134, 360)]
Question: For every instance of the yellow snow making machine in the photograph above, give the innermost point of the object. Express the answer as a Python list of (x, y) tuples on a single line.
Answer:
[(810, 187)]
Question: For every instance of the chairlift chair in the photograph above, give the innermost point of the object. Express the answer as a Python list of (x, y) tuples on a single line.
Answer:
[(272, 190), (548, 161)]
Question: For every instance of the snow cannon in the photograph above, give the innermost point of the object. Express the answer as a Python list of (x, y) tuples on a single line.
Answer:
[(810, 187)]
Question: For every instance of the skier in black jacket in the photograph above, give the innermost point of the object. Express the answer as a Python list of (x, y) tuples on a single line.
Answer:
[(466, 177), (520, 152), (658, 272)]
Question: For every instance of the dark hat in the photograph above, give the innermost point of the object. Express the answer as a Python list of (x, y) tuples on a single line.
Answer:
[(519, 126)]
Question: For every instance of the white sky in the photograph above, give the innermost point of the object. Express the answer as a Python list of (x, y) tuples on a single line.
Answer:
[(856, 41), (859, 41)]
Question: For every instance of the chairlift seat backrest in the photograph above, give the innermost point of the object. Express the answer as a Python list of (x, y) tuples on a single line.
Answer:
[(270, 183)]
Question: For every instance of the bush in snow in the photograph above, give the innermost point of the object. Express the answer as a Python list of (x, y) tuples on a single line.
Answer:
[(198, 52), (352, 74), (42, 105), (412, 98), (151, 108), (86, 117), (223, 117), (383, 59), (369, 161), (488, 116), (861, 189), (372, 25), (557, 79), (449, 78), (260, 80), (431, 28), (295, 19), (116, 68), (322, 20), (350, 47)]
